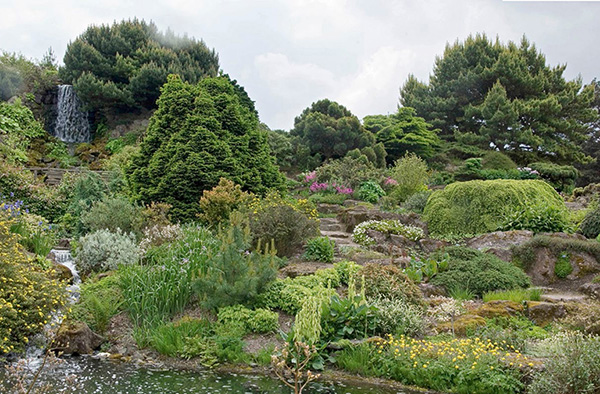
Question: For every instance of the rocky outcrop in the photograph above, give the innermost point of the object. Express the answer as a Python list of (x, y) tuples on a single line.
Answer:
[(500, 243), (499, 308), (462, 324), (591, 289), (544, 313), (352, 216), (77, 338)]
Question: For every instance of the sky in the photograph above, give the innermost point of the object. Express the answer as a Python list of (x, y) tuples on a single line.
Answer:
[(290, 53)]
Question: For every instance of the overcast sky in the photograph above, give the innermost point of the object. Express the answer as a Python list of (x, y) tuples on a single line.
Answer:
[(290, 53)]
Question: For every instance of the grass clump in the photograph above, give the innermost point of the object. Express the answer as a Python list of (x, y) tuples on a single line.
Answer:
[(515, 295), (99, 301)]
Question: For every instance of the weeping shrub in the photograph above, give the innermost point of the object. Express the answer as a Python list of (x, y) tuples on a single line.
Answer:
[(477, 207)]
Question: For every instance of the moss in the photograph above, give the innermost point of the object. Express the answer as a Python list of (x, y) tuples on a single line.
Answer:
[(499, 309), (463, 324), (477, 207)]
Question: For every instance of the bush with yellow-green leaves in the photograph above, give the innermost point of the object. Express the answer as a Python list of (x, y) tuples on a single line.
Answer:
[(28, 295)]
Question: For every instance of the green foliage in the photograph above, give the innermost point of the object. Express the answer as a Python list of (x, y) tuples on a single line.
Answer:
[(346, 270), (476, 207), (289, 294), (235, 276), (124, 65), (479, 272), (403, 132), (563, 267), (81, 191), (170, 338), (536, 218), (307, 325), (155, 291), (460, 293), (17, 128), (22, 77), (319, 249), (28, 294), (518, 332), (103, 216), (370, 192), (571, 366), (395, 227), (397, 317), (99, 301), (36, 235), (411, 173), (417, 201), (199, 134), (218, 203), (348, 171), (348, 318), (103, 250), (562, 178), (590, 226), (328, 198), (515, 295), (280, 144), (258, 320), (389, 282), (487, 95), (494, 160), (284, 221), (330, 130)]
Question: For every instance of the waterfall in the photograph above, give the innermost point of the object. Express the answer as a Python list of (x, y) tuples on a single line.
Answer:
[(72, 124)]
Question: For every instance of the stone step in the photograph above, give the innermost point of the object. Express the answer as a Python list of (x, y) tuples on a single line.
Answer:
[(335, 234), (329, 220), (331, 227)]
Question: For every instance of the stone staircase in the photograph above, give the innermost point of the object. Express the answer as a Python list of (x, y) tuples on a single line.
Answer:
[(334, 230)]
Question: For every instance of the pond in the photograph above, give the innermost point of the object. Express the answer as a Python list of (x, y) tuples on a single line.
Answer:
[(93, 376)]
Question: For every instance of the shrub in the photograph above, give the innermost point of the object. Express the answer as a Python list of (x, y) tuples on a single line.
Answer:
[(370, 192), (562, 178), (17, 128), (476, 207), (158, 235), (319, 249), (494, 160), (289, 294), (571, 367), (360, 236), (112, 213), (590, 226), (479, 272), (417, 201), (28, 294), (397, 317), (104, 251), (563, 267), (411, 173), (536, 218), (346, 270), (258, 320), (217, 204), (234, 275), (170, 338), (349, 171), (347, 318), (389, 282), (99, 301), (328, 198), (287, 222)]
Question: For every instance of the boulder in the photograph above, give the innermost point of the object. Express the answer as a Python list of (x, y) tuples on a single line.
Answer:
[(500, 242), (430, 290), (62, 272), (75, 337), (429, 245), (591, 289), (354, 215), (544, 313), (462, 324), (499, 308), (329, 208)]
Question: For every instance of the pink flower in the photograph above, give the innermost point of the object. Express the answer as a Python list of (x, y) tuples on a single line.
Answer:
[(390, 181), (318, 187), (311, 176)]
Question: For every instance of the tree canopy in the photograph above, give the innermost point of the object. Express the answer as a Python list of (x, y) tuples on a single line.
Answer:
[(403, 132), (124, 65), (200, 133), (330, 130), (489, 95)]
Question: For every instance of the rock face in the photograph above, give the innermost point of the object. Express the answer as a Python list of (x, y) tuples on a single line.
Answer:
[(500, 242), (462, 324), (499, 308), (77, 338), (591, 289), (352, 216), (542, 269), (543, 313)]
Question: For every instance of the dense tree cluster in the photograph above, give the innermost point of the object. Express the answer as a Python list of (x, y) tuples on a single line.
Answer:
[(486, 94), (124, 65), (200, 133)]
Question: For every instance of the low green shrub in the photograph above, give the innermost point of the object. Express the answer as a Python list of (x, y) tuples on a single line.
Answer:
[(537, 218), (288, 294), (320, 249), (328, 198), (370, 192), (571, 365), (395, 227), (389, 282), (288, 222), (346, 270), (590, 226), (99, 301), (170, 338), (517, 332), (417, 202), (397, 317), (217, 204), (112, 214), (478, 272), (348, 317), (258, 320), (494, 160), (563, 267), (103, 250), (411, 174), (477, 207)]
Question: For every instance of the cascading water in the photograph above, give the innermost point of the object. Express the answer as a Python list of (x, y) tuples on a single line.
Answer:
[(72, 124)]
